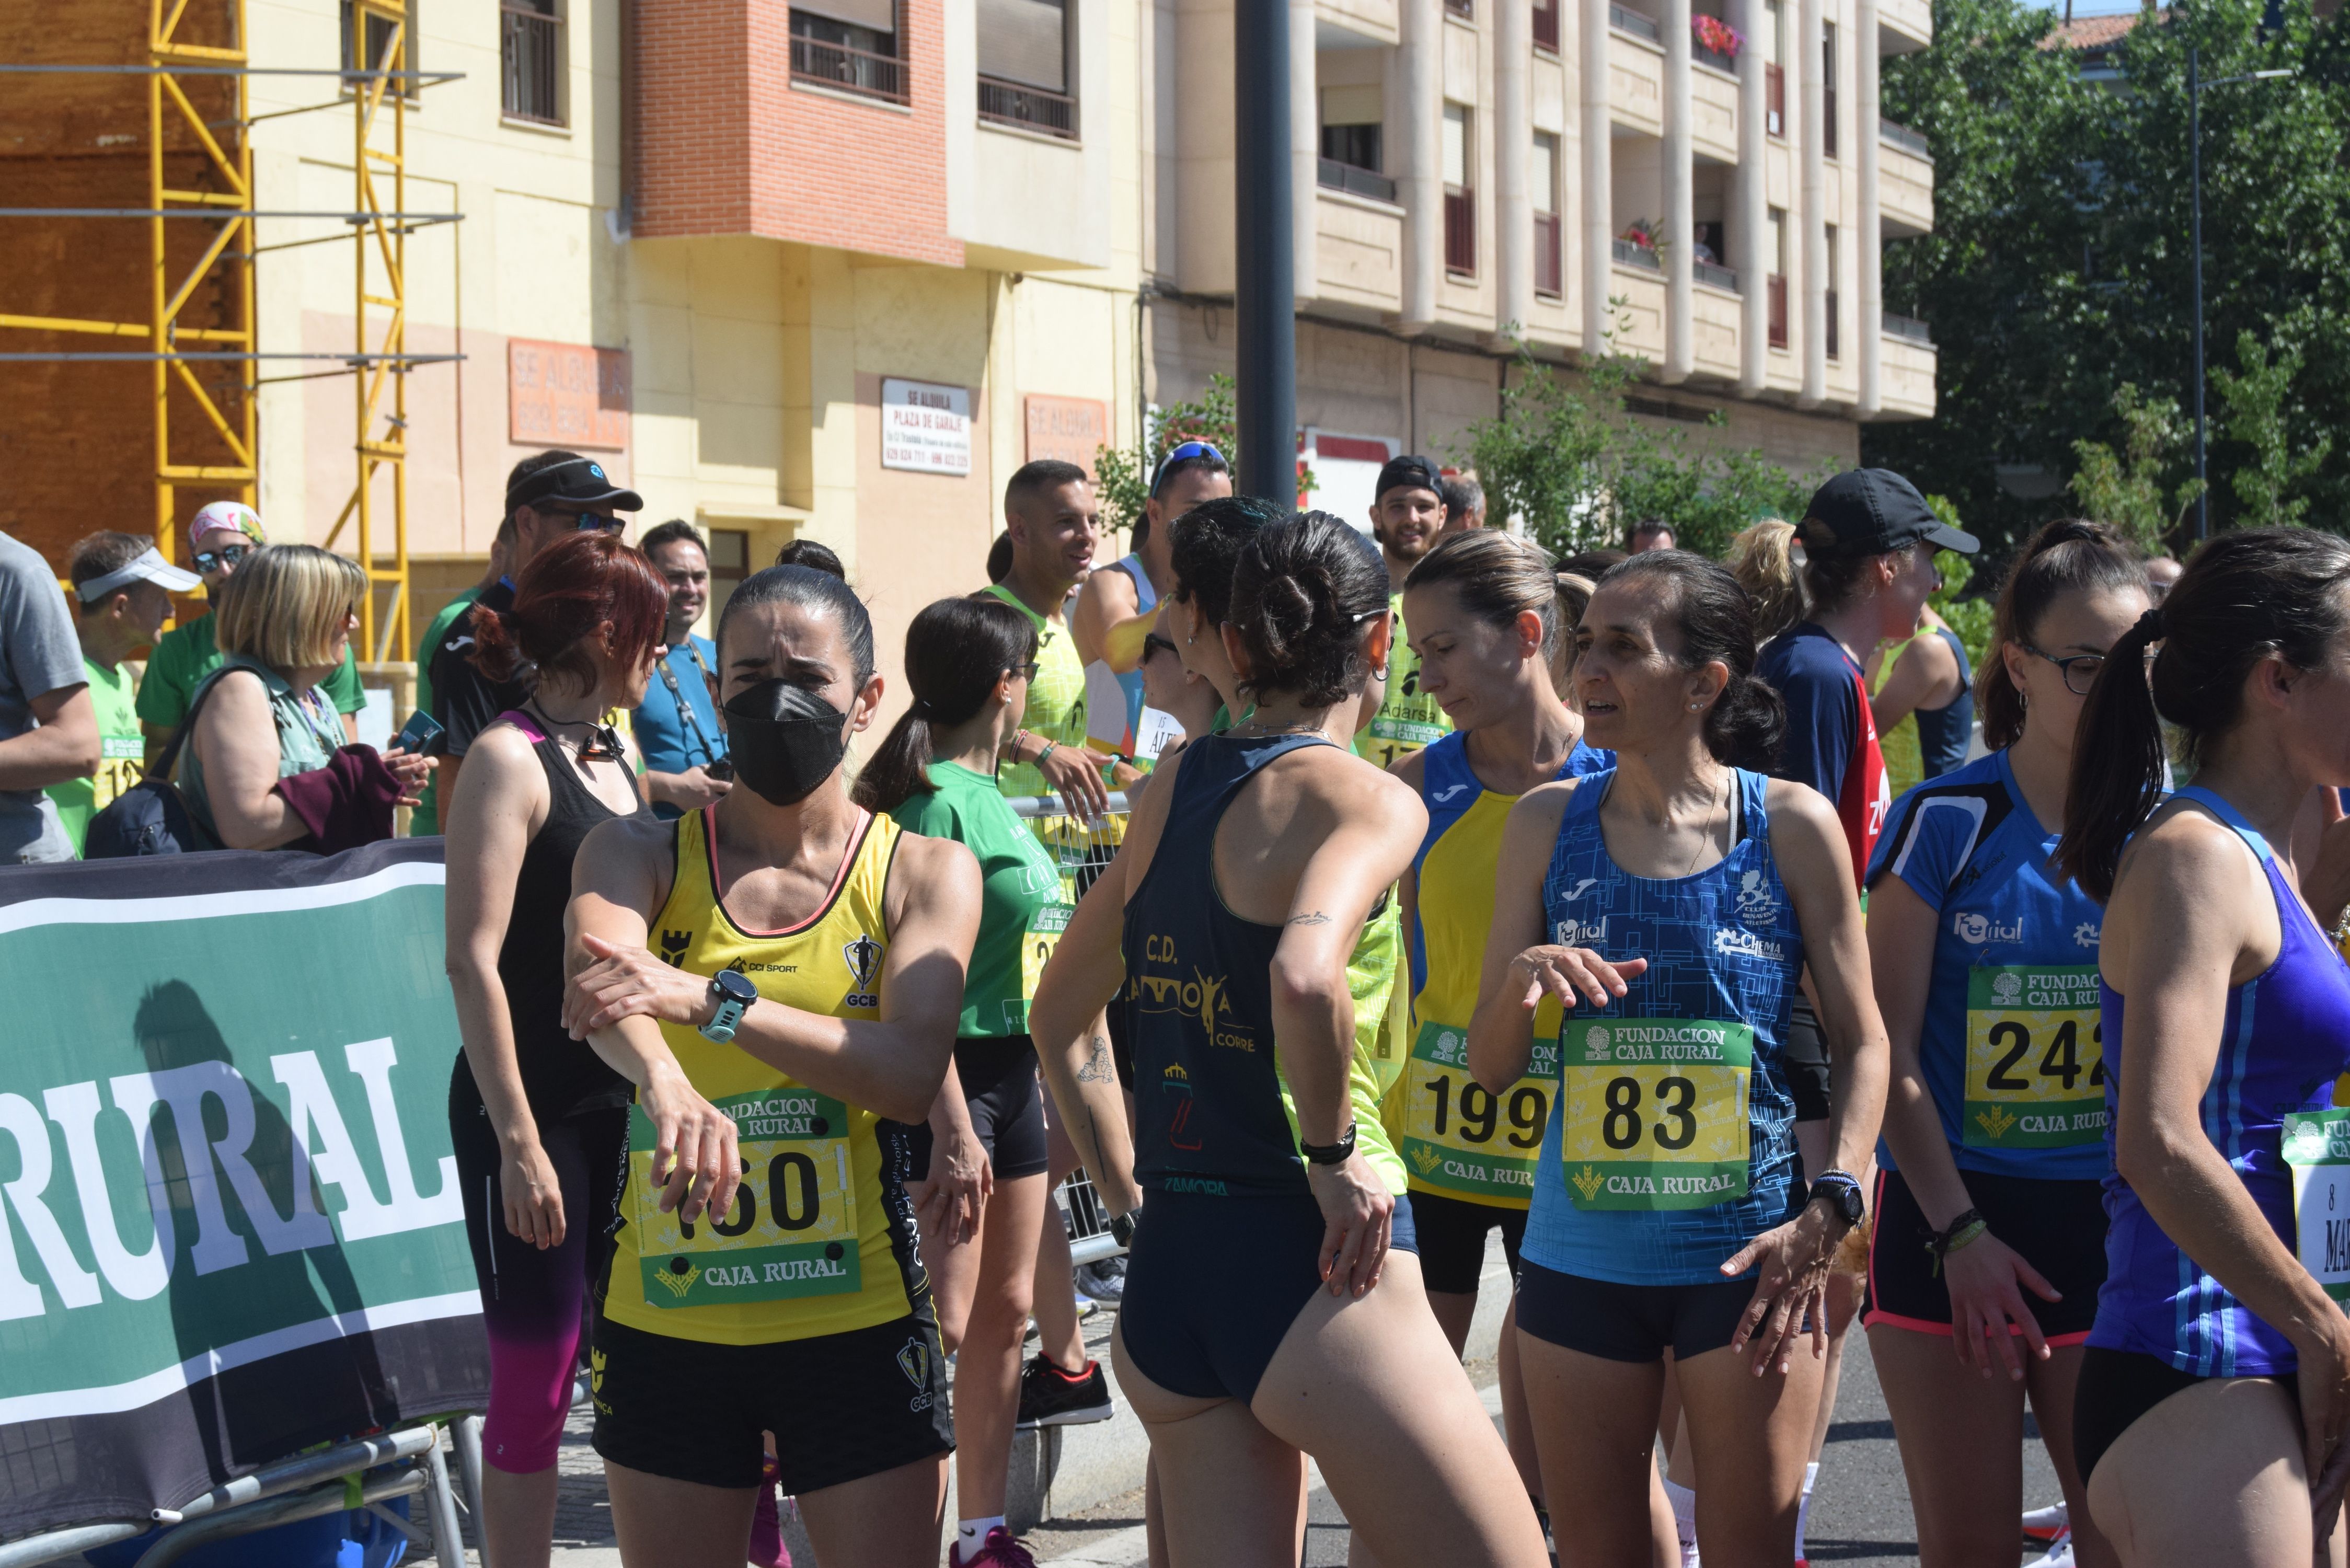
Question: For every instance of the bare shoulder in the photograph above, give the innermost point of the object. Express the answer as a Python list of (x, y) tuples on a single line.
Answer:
[(1358, 784), (1104, 587), (630, 842), (1544, 805), (1789, 802), (924, 863), (1412, 770), (504, 748), (2184, 845)]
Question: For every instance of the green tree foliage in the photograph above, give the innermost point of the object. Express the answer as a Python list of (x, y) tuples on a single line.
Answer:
[(2059, 267), (2126, 488), (1123, 477), (1969, 618), (2257, 402)]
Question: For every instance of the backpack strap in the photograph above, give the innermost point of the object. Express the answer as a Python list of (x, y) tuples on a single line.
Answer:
[(170, 755)]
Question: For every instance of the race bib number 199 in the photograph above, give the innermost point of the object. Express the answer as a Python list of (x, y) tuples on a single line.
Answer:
[(792, 1230), (1457, 1137), (1655, 1112), (2317, 1151)]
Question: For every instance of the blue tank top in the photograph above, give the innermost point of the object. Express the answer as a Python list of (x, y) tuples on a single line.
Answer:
[(2284, 1039), (1145, 598), (1945, 734), (1671, 1138), (2011, 1043), (1207, 1090)]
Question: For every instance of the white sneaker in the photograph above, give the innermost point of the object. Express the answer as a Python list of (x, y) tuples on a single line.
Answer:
[(1689, 1554), (2048, 1523), (2059, 1554)]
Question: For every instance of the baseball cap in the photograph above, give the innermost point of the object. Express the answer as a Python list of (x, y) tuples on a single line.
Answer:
[(1409, 472), (220, 514), (578, 481), (148, 567), (1870, 511)]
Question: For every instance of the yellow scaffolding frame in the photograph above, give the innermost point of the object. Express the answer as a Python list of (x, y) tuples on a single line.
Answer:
[(376, 366)]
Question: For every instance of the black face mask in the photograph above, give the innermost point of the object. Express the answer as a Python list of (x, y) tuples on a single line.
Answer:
[(783, 740)]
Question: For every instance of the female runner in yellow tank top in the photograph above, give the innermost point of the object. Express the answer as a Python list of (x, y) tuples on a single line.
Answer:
[(808, 983)]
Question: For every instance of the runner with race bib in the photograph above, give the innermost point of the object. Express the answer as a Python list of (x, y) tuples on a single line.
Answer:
[(2214, 1397), (1483, 611), (1988, 1245), (809, 973), (976, 1170), (1408, 517), (1667, 905)]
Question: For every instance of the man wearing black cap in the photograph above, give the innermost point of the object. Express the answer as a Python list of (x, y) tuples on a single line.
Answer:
[(1407, 519), (548, 496)]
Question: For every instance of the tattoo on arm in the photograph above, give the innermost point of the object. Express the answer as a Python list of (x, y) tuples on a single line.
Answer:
[(1317, 919), (1099, 1068)]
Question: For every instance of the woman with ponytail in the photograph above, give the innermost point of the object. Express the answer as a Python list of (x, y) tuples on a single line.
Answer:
[(976, 1170), (540, 1122), (2214, 1395), (1989, 1232), (1666, 905)]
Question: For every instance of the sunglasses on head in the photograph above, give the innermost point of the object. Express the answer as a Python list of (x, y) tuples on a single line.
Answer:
[(1154, 643), (226, 556), (1183, 453), (596, 522)]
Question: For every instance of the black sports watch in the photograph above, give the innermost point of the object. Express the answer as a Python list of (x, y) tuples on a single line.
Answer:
[(1842, 1190), (1330, 1153), (1121, 1228), (731, 990)]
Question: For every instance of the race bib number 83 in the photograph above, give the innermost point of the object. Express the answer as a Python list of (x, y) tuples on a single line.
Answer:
[(1655, 1114), (2036, 1057), (792, 1230)]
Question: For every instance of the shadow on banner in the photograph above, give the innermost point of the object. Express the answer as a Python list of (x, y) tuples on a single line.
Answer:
[(230, 1227)]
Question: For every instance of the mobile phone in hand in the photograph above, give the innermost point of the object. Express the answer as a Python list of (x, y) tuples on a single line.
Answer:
[(421, 731), (722, 770)]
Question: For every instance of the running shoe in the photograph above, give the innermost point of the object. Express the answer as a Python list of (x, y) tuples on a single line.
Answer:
[(1052, 1397), (2045, 1524), (2059, 1554), (767, 1548), (998, 1551), (1104, 1280)]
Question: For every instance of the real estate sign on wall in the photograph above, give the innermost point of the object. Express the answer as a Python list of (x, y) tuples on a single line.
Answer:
[(925, 427)]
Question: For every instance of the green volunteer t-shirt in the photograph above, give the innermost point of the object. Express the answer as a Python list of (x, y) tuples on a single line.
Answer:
[(122, 751), (1023, 908), (185, 655), (1406, 721), (425, 820), (1056, 697)]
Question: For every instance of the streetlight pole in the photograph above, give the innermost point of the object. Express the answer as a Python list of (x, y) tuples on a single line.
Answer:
[(1265, 269)]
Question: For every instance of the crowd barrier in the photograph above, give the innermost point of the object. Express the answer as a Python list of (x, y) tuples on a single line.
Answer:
[(235, 1288)]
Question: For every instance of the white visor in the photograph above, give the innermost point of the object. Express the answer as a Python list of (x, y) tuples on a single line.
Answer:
[(149, 567)]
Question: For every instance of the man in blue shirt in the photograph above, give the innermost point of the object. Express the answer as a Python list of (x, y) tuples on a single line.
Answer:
[(676, 726)]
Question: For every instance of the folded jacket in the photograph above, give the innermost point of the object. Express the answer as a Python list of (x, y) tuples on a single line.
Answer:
[(346, 804)]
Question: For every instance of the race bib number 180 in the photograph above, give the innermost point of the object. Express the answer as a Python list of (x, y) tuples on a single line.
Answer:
[(1655, 1114), (2317, 1151), (792, 1230)]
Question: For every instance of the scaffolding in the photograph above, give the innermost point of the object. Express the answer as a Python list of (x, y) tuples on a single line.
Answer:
[(376, 57)]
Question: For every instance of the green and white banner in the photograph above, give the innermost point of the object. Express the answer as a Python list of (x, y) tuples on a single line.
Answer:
[(230, 1224)]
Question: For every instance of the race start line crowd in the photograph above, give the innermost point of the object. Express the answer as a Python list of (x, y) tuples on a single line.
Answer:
[(1449, 890)]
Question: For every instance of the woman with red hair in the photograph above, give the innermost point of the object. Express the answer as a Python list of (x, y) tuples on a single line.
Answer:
[(540, 1122)]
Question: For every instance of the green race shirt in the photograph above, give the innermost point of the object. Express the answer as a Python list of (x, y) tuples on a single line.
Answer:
[(122, 751), (1022, 910), (1056, 697), (425, 820), (1406, 721), (186, 654)]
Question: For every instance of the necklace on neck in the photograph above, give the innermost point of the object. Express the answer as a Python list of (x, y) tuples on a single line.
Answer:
[(1251, 728), (602, 743), (1705, 836)]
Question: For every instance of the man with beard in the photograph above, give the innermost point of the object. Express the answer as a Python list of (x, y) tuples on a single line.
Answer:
[(1407, 519)]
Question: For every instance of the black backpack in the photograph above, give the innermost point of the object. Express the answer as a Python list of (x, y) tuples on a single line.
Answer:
[(151, 817)]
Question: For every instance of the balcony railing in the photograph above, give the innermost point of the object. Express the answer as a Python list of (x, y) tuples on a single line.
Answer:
[(1632, 22), (1713, 58), (532, 62), (1828, 120), (1894, 134), (1834, 337), (1632, 253), (1774, 101), (1461, 8), (1907, 327), (1029, 108), (1550, 270), (1546, 26), (1460, 231), (1337, 176), (1775, 292), (850, 70), (1719, 277)]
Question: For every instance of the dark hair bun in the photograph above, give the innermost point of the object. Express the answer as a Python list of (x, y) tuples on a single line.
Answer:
[(1301, 592)]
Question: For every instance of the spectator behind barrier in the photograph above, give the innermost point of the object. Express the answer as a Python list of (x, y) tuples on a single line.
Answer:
[(122, 594), (820, 557), (220, 536), (676, 725), (1649, 534), (266, 766), (48, 731)]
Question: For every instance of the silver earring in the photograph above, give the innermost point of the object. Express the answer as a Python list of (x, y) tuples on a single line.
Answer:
[(1693, 707)]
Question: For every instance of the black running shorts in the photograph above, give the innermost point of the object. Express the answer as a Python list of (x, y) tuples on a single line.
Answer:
[(1629, 1323), (1452, 1232), (2059, 1227), (1007, 1108)]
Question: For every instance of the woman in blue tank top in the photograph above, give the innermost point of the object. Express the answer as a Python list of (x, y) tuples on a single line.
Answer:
[(1988, 1242), (1265, 1316), (1670, 904), (2215, 1391)]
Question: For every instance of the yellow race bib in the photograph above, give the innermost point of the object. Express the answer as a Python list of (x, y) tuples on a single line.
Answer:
[(1460, 1139), (2036, 1057), (792, 1230), (1655, 1112)]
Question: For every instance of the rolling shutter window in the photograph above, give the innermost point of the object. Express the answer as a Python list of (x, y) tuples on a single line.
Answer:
[(881, 16), (1024, 41)]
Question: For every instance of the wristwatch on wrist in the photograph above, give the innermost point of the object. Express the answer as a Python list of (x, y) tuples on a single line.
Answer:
[(1842, 1190), (1330, 1153), (1121, 1228), (733, 993)]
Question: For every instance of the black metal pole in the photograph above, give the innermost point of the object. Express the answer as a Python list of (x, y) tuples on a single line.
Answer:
[(2194, 181), (1265, 273)]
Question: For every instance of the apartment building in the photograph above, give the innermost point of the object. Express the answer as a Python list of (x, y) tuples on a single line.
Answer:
[(1706, 183)]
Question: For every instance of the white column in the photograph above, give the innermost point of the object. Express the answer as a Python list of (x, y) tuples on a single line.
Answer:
[(1419, 184), (1750, 203), (1599, 179), (1677, 179), (1805, 67), (1305, 148), (1867, 230), (1513, 135)]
